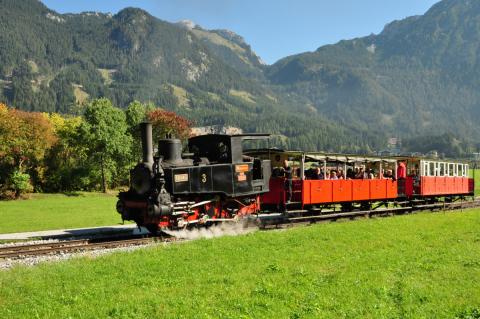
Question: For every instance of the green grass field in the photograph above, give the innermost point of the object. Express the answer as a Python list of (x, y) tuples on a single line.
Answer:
[(58, 211), (476, 173), (417, 266)]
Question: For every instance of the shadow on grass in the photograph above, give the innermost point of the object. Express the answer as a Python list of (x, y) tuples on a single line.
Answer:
[(73, 194)]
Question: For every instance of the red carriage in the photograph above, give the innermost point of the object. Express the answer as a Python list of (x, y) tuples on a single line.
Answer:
[(384, 180)]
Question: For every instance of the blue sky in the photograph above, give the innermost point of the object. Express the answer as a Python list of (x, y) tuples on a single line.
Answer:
[(274, 28)]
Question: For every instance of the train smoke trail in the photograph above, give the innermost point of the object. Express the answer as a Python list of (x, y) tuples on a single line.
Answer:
[(214, 231)]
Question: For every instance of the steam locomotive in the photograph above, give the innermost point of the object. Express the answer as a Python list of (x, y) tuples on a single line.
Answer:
[(214, 182)]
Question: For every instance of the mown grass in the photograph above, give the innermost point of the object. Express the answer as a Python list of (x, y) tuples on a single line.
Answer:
[(419, 266), (475, 173), (58, 211)]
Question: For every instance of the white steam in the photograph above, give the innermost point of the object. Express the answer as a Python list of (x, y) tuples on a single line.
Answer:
[(219, 230)]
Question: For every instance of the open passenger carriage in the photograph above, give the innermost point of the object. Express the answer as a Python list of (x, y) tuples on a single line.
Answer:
[(325, 189), (357, 180)]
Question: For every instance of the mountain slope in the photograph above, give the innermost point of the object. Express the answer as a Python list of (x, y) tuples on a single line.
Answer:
[(132, 51), (56, 62), (418, 77), (230, 47)]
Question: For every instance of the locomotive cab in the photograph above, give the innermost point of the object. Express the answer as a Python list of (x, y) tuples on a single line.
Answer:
[(220, 167)]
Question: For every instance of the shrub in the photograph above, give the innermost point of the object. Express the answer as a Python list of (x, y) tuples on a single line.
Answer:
[(20, 183)]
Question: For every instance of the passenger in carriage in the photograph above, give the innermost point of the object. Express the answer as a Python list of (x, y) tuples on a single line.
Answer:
[(401, 170), (414, 172), (308, 173), (340, 174), (350, 173), (311, 173), (298, 172), (361, 173), (356, 172), (333, 175), (288, 180), (320, 174), (370, 174), (389, 174), (278, 172)]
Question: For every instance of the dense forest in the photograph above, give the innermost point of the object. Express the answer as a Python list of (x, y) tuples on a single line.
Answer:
[(417, 78)]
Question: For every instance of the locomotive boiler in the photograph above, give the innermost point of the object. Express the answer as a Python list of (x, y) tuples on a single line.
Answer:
[(214, 182)]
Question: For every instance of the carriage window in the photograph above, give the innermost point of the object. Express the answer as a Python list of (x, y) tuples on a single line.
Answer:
[(459, 170), (442, 169), (451, 169), (425, 169), (465, 170), (431, 171)]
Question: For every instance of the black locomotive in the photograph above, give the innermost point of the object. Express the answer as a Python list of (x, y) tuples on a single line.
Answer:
[(214, 182)]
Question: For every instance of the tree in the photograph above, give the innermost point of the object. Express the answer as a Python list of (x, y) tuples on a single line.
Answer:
[(168, 123), (8, 129), (136, 114), (105, 134), (25, 138), (66, 162)]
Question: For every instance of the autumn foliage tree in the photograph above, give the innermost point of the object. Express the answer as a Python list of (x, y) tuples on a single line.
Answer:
[(166, 123), (25, 139)]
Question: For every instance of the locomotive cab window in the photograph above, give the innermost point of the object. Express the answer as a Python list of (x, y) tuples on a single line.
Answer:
[(216, 148)]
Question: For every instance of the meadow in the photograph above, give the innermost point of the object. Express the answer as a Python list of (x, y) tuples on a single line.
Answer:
[(58, 211), (416, 266), (475, 173)]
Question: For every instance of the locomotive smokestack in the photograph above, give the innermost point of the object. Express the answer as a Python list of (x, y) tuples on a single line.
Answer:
[(147, 144)]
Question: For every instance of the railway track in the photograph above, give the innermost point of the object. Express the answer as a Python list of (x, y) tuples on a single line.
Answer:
[(294, 218), (71, 246), (266, 222)]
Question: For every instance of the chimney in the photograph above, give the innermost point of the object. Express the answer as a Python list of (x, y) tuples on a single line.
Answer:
[(147, 144)]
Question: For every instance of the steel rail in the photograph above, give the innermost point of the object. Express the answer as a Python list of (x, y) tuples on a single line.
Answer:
[(266, 222), (283, 220), (66, 246)]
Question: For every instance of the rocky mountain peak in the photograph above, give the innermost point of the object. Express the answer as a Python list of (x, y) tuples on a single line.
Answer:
[(187, 24)]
